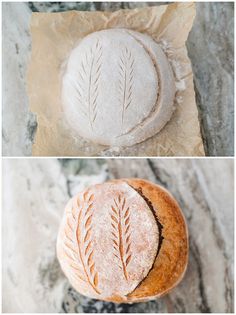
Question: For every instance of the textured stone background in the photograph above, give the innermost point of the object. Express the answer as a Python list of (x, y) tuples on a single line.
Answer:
[(210, 46), (35, 193)]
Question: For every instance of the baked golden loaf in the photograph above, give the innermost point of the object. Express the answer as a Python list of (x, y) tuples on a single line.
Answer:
[(123, 241)]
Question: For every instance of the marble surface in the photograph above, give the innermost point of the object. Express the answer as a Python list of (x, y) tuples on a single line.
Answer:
[(210, 48), (35, 193)]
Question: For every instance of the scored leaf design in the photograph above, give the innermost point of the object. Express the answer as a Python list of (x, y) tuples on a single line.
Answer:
[(70, 248), (121, 235), (87, 87), (126, 80), (81, 254)]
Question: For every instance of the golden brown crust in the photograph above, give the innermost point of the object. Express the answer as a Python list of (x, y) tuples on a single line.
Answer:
[(169, 263)]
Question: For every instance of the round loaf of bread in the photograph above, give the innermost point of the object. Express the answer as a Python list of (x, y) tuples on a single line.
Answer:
[(118, 88), (123, 241)]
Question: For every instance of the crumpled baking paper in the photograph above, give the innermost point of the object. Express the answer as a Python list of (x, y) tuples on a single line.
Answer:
[(54, 35)]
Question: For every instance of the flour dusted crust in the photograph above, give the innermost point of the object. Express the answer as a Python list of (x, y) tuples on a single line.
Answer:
[(118, 88), (107, 255), (123, 241)]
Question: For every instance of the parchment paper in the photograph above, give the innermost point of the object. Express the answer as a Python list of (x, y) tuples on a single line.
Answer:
[(54, 35)]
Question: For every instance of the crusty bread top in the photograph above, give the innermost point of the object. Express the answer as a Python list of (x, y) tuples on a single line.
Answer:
[(123, 241)]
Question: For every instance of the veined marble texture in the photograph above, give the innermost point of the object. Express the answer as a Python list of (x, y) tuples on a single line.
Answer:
[(35, 192), (210, 47)]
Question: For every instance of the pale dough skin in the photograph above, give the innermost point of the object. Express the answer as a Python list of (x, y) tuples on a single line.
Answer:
[(118, 88)]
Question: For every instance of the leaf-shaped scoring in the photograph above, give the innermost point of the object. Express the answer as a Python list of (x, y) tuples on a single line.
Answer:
[(87, 87), (70, 248), (126, 73), (121, 235), (81, 259)]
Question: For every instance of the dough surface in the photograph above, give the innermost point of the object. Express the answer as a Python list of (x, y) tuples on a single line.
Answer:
[(118, 88)]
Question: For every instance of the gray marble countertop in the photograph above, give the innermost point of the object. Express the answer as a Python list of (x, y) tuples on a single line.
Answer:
[(210, 48), (34, 197)]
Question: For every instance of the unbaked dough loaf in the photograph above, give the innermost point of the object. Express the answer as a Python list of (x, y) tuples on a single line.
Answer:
[(118, 88), (123, 241)]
